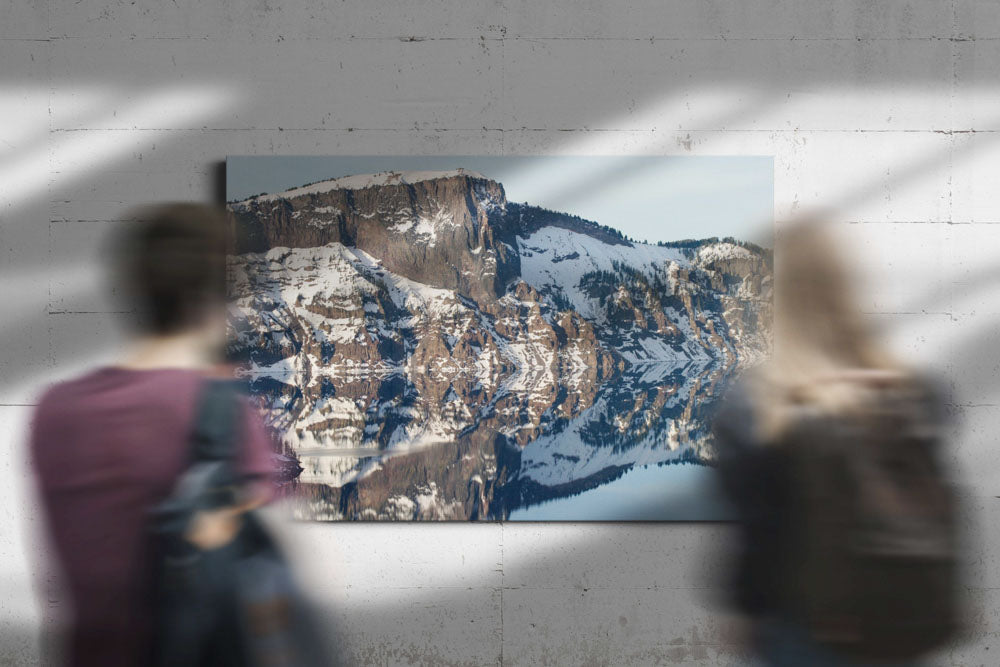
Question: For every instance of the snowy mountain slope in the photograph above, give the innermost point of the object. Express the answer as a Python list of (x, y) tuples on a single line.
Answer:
[(557, 259), (652, 304)]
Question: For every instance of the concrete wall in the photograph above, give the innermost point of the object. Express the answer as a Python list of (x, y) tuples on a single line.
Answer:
[(884, 112)]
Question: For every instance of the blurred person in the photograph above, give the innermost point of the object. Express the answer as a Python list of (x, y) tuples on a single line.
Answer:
[(830, 454), (110, 446)]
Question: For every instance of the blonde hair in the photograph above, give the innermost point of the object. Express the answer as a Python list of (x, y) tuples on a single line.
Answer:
[(826, 358)]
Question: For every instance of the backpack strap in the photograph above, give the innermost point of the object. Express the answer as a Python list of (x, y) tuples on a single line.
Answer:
[(210, 480), (216, 422), (214, 444)]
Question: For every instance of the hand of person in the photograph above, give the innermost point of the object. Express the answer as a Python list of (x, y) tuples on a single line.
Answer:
[(211, 529)]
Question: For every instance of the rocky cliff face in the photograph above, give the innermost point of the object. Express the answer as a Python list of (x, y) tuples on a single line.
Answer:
[(430, 350), (446, 231)]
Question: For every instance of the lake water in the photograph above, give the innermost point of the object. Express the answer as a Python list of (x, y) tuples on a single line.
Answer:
[(652, 493)]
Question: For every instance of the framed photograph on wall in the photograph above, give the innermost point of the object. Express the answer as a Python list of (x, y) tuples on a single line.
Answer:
[(499, 338)]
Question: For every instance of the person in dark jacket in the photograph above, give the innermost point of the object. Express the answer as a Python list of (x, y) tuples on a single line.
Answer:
[(827, 370)]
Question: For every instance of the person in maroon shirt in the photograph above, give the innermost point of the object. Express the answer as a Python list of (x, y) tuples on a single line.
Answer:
[(109, 446)]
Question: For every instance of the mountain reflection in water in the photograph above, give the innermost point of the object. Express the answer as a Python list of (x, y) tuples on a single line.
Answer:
[(650, 416)]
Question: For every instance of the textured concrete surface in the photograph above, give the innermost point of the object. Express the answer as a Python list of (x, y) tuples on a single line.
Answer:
[(884, 113)]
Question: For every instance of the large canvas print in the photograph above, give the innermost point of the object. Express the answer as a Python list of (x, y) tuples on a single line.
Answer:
[(499, 338)]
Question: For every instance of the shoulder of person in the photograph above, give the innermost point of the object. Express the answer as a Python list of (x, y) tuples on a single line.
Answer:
[(62, 394)]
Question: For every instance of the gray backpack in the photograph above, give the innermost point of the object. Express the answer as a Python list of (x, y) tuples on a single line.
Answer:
[(873, 545)]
